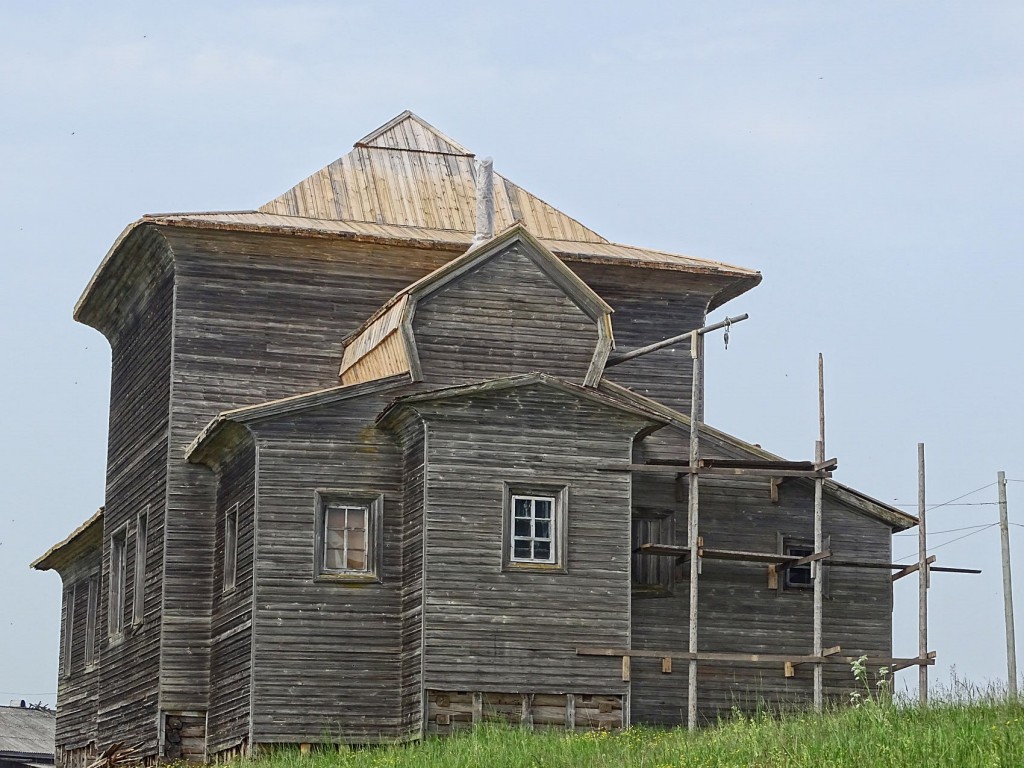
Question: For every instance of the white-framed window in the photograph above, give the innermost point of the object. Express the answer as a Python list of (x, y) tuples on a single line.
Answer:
[(230, 562), (118, 567), (534, 527), (139, 582), (348, 535)]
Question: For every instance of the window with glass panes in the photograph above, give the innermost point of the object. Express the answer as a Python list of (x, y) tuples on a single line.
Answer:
[(533, 529), (346, 530)]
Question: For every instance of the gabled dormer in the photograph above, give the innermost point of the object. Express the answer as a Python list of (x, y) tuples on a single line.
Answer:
[(507, 306)]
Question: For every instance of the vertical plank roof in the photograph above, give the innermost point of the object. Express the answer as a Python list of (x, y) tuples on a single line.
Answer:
[(408, 173)]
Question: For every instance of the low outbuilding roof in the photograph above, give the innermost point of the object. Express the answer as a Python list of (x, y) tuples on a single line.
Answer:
[(27, 734)]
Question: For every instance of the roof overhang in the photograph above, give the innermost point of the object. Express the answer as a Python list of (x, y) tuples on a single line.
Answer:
[(88, 535)]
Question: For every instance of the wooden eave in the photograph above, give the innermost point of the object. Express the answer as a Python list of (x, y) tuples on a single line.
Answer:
[(205, 447), (736, 280), (897, 519), (86, 536), (460, 391)]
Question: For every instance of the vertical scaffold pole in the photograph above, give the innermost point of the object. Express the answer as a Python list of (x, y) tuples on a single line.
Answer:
[(924, 577), (696, 416), (819, 543)]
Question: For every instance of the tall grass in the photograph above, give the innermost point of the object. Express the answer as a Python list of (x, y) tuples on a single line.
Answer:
[(982, 729)]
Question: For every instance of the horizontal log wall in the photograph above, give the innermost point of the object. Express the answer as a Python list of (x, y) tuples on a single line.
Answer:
[(257, 318), (738, 610), (651, 305), (77, 683), (502, 318), (136, 483), (488, 629), (328, 653), (231, 652)]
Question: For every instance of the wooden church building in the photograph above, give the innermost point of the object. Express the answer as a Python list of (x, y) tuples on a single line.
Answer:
[(374, 473)]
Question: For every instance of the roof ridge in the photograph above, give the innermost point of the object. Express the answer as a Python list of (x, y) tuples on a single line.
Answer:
[(371, 139)]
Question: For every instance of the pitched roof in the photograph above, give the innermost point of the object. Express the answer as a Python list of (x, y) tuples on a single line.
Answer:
[(896, 518), (27, 733), (409, 173), (387, 335), (621, 402), (408, 184), (201, 449)]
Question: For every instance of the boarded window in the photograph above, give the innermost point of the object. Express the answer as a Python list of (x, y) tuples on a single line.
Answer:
[(69, 629), (230, 564), (653, 575), (118, 546), (141, 545), (92, 610), (348, 535)]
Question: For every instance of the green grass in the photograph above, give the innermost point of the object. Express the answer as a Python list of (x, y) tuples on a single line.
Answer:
[(961, 735)]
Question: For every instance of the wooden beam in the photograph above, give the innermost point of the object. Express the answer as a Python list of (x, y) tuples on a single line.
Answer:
[(754, 658), (813, 558), (625, 667), (911, 569), (724, 471)]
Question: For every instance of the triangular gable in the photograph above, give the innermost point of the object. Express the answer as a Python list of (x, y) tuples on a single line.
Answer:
[(535, 379), (224, 429), (386, 346), (412, 133), (408, 173), (854, 499)]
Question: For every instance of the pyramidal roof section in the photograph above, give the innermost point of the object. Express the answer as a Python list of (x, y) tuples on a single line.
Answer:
[(412, 133), (408, 173)]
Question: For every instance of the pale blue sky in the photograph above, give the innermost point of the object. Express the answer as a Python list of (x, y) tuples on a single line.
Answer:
[(866, 157)]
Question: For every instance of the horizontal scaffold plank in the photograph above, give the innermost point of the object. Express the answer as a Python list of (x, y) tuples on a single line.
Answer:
[(758, 658), (751, 471)]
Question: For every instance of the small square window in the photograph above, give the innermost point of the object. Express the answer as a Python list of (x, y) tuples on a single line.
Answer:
[(348, 536), (799, 576), (535, 524)]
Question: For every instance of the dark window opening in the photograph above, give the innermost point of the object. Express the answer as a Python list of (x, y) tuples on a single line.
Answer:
[(799, 577)]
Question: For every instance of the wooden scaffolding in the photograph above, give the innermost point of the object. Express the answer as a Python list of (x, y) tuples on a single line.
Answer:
[(695, 551)]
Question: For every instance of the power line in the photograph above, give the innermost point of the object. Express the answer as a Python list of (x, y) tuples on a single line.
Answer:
[(947, 530), (948, 504), (951, 541)]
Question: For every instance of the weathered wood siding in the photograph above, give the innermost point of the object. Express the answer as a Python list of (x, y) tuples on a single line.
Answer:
[(486, 629), (136, 462), (738, 612), (651, 305), (328, 653), (231, 652), (77, 682), (257, 317), (411, 433), (502, 318)]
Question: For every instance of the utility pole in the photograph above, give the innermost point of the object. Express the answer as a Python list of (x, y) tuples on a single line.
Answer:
[(923, 579), (1004, 535), (816, 569)]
